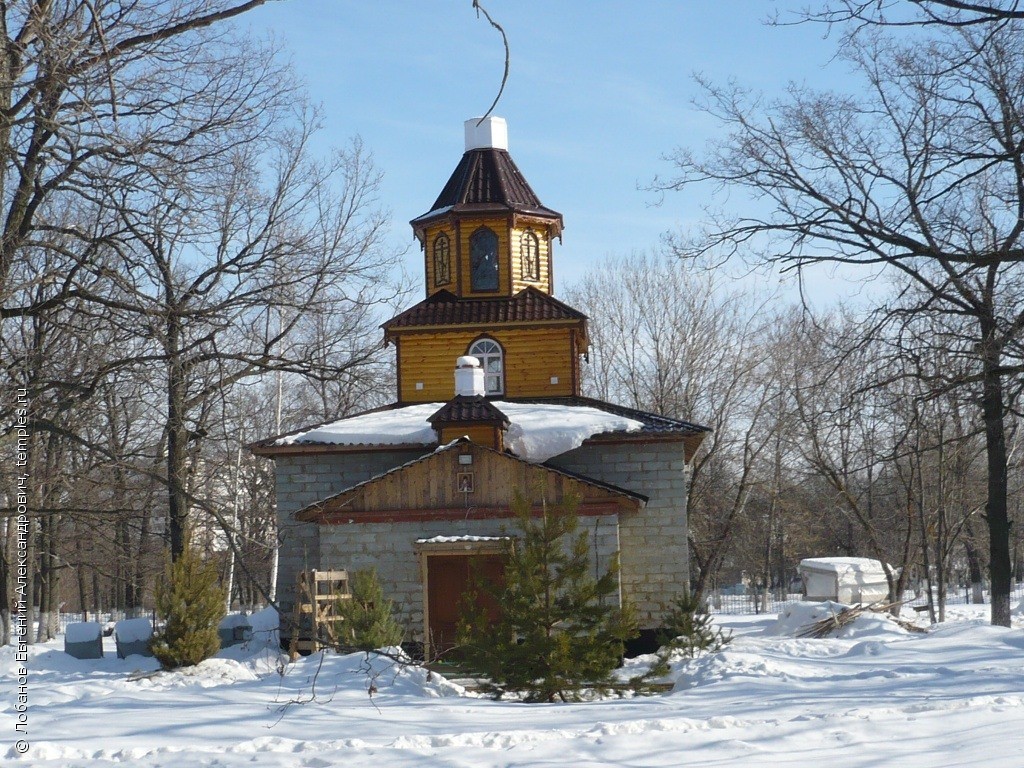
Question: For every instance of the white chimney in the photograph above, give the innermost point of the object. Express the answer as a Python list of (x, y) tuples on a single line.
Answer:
[(469, 376), (491, 133)]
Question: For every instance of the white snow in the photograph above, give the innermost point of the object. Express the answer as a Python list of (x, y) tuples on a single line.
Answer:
[(233, 620), (133, 630), (799, 615), (844, 565), (537, 431), (397, 426), (459, 539), (83, 632), (540, 431), (952, 696)]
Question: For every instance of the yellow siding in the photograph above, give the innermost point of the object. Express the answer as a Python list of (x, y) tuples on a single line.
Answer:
[(485, 435), (428, 250), (518, 281), (466, 229), (532, 357)]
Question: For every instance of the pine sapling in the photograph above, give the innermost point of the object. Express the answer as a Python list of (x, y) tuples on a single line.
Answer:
[(559, 630), (366, 620), (190, 605)]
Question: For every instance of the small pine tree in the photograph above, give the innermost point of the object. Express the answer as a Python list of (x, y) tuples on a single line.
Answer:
[(559, 629), (190, 603), (366, 620), (687, 631), (689, 628)]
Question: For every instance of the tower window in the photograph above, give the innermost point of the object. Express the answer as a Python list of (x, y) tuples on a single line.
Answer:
[(529, 252), (483, 260), (491, 358), (442, 260)]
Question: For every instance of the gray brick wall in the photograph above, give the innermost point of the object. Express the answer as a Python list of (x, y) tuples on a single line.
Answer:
[(655, 552), (390, 548), (307, 478)]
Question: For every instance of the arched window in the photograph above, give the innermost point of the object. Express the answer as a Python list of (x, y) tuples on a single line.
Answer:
[(483, 260), (442, 260), (529, 252), (491, 358)]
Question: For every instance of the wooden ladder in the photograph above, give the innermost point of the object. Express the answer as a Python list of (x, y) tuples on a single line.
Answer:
[(313, 622)]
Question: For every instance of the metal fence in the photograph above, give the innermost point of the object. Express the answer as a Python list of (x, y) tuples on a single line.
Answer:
[(776, 601), (104, 617)]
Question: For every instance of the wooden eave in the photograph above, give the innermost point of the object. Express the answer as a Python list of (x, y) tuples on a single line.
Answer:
[(403, 493), (411, 330), (448, 514), (480, 211), (296, 449)]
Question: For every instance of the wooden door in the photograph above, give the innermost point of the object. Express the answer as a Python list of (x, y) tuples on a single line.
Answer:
[(448, 578)]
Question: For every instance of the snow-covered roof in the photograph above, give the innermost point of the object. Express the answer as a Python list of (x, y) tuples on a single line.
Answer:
[(844, 565), (537, 431)]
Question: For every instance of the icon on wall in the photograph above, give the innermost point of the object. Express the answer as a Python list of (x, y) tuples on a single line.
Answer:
[(464, 482)]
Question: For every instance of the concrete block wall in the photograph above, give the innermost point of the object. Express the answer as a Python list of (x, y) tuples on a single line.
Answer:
[(655, 552), (391, 549), (653, 544), (307, 478)]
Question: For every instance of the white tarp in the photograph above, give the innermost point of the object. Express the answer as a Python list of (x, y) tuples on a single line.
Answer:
[(843, 579)]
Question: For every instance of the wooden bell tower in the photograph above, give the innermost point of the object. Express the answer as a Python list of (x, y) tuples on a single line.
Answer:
[(487, 245)]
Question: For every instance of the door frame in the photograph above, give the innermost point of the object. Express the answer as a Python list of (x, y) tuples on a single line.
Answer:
[(448, 546)]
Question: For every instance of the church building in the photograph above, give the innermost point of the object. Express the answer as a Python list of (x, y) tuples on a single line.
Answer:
[(488, 405)]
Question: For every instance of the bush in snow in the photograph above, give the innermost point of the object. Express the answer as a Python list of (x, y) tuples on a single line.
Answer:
[(689, 628), (558, 630), (366, 619), (190, 603)]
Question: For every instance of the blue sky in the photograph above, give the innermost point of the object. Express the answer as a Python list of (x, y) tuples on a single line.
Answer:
[(598, 93)]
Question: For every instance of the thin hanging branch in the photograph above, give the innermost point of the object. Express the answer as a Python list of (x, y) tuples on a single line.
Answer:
[(504, 39)]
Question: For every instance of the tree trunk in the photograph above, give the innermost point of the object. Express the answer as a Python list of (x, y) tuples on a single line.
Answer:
[(995, 507), (6, 547), (83, 590), (177, 442)]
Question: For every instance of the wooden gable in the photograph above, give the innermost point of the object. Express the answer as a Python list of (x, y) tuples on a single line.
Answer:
[(464, 481)]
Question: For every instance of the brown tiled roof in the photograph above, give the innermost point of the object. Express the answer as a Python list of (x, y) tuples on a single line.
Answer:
[(445, 308), (463, 408), (487, 180)]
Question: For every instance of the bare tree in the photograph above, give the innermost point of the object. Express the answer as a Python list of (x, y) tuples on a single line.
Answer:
[(922, 176), (90, 91), (224, 269), (950, 13), (672, 340)]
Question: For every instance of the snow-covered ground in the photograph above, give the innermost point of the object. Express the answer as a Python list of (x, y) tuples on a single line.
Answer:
[(878, 696)]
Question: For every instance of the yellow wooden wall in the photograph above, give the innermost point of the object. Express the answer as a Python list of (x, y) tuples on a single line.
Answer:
[(428, 248), (483, 434), (544, 242), (532, 357), (510, 263)]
